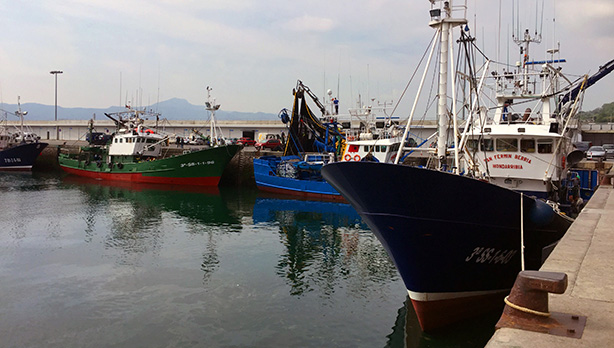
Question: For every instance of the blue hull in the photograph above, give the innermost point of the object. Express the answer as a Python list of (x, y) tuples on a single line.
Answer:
[(20, 157), (451, 237), (313, 186)]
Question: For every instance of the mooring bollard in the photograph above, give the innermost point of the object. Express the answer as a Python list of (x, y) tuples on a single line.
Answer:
[(526, 307)]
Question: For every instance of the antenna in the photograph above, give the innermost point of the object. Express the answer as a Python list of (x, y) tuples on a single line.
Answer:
[(139, 93), (368, 90), (499, 38), (158, 99), (523, 43)]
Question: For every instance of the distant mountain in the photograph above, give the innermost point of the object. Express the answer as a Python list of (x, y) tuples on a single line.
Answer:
[(172, 109)]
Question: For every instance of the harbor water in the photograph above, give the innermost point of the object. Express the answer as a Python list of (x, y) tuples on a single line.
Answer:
[(88, 263)]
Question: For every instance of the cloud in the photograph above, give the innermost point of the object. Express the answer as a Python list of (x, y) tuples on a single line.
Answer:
[(309, 23), (252, 53)]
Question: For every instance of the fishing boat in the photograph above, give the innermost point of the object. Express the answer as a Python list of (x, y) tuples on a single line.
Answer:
[(19, 148), (137, 153), (488, 204), (313, 142)]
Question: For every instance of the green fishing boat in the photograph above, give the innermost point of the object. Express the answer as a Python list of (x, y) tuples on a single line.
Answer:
[(139, 154)]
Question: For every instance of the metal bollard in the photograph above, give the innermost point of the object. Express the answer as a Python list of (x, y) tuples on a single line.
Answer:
[(526, 307)]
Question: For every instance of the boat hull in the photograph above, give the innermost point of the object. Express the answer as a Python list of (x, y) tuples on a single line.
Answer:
[(267, 180), (202, 168), (455, 240), (20, 157)]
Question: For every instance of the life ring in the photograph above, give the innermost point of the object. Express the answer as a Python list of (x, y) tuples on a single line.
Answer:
[(347, 157), (351, 138), (357, 158), (120, 165)]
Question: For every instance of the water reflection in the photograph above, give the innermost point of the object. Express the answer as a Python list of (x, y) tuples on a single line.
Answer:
[(140, 214), (20, 193), (406, 332), (326, 246), (197, 204), (94, 261)]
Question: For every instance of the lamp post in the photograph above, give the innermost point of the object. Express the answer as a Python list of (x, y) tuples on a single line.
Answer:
[(57, 129)]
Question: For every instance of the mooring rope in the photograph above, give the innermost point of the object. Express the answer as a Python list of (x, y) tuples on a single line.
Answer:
[(525, 309)]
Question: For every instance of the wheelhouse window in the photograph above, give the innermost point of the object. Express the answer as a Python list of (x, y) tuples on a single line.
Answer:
[(472, 145), (544, 146), (487, 145), (527, 145), (366, 148), (507, 145)]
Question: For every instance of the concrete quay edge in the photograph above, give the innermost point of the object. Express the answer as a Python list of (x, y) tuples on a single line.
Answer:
[(586, 255)]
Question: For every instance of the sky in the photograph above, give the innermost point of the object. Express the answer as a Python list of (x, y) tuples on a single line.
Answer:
[(252, 52)]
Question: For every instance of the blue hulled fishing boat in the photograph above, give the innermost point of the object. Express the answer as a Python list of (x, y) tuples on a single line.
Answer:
[(19, 148), (313, 142), (490, 202)]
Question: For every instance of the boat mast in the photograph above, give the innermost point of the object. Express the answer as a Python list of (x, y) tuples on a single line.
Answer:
[(524, 52), (21, 114), (442, 108), (441, 19), (212, 107)]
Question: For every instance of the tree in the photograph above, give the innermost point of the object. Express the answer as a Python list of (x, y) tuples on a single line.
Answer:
[(603, 114)]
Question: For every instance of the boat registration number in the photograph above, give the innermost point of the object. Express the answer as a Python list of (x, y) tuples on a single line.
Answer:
[(193, 164), (491, 255), (12, 160)]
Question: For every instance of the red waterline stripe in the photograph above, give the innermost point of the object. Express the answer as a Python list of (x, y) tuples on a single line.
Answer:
[(138, 177)]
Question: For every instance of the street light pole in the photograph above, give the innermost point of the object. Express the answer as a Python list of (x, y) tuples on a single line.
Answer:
[(57, 129)]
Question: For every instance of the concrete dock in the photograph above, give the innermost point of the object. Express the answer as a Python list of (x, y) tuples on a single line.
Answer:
[(586, 255)]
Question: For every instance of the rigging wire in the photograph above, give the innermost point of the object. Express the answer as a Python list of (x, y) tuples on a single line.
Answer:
[(414, 74)]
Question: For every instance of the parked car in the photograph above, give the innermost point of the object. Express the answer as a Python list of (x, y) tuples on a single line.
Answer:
[(245, 141), (196, 141), (609, 150), (582, 145), (595, 152), (273, 144)]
